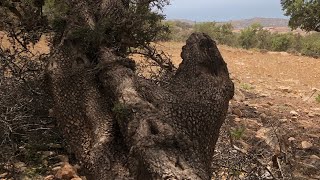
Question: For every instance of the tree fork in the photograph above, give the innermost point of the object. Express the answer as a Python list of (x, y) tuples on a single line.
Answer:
[(120, 125)]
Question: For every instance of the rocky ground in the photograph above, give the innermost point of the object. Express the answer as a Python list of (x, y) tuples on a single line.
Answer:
[(272, 130)]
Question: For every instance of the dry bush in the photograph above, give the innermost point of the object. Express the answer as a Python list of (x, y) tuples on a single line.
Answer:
[(24, 101)]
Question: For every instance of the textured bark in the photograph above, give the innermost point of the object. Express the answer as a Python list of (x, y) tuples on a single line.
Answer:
[(121, 126)]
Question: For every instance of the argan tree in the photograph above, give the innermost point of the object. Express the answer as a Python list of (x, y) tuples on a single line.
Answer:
[(304, 14), (118, 124)]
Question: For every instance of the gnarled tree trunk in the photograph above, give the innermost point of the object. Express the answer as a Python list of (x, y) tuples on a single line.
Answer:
[(121, 126)]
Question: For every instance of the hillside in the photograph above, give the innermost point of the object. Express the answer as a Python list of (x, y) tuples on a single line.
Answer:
[(275, 25), (243, 23), (265, 22)]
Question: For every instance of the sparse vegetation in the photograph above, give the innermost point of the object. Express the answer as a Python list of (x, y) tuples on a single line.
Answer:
[(246, 86), (221, 33), (318, 98), (237, 133), (121, 111), (254, 36), (311, 45)]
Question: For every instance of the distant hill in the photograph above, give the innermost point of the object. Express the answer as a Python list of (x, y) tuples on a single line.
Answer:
[(274, 25), (243, 23), (183, 20), (265, 22)]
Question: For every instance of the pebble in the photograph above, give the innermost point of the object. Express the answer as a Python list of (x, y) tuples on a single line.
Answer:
[(237, 112), (285, 89), (21, 166), (310, 114), (283, 120), (51, 113), (263, 116), (55, 146), (239, 96), (264, 95), (56, 168), (315, 109), (66, 172), (237, 119), (291, 139), (294, 113), (63, 158), (306, 145), (270, 103), (315, 157), (50, 177), (3, 175), (48, 153)]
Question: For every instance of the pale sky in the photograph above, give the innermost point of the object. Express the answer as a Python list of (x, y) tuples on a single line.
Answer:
[(223, 10)]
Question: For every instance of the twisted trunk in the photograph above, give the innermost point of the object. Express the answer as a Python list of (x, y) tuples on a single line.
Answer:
[(121, 126)]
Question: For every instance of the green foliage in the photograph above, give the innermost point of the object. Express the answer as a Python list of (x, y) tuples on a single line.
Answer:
[(35, 172), (311, 45), (209, 28), (249, 36), (303, 14), (221, 33), (256, 37), (280, 43), (246, 86), (55, 9), (237, 133), (225, 34), (253, 36), (135, 27), (296, 43), (177, 31), (120, 111), (263, 40), (318, 98)]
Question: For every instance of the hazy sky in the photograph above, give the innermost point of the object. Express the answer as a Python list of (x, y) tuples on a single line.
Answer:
[(221, 10)]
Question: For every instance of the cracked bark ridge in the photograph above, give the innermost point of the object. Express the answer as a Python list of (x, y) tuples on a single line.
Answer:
[(122, 126)]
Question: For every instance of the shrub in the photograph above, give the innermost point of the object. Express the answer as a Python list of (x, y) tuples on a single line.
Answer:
[(178, 31), (221, 33), (253, 36), (280, 42), (263, 40), (311, 45), (209, 28), (248, 36)]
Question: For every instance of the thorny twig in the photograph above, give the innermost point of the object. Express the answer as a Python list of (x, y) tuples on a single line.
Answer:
[(160, 58)]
